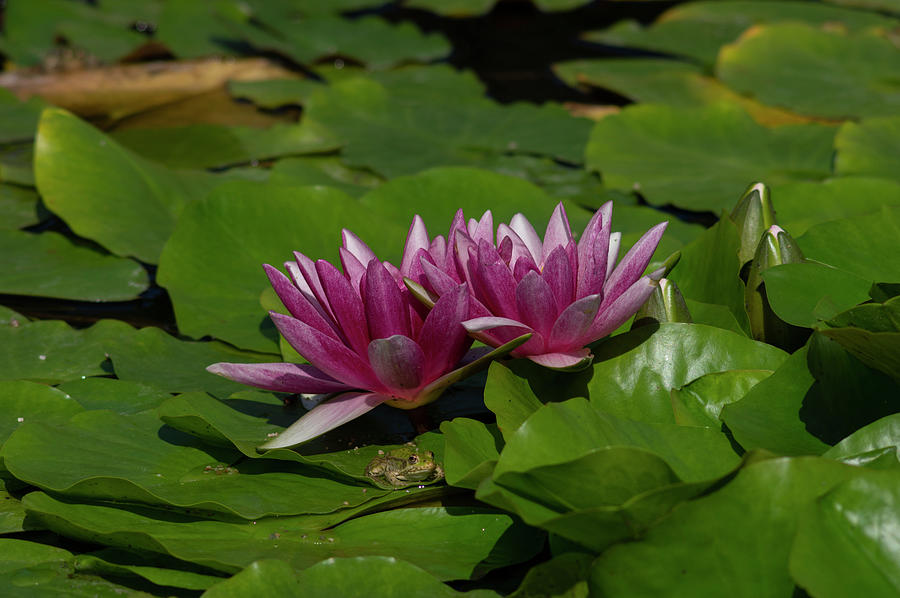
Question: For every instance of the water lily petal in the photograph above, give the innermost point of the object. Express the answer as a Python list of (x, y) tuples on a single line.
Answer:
[(633, 264), (536, 304), (327, 354), (279, 377), (439, 281), (520, 251), (624, 306), (357, 247), (574, 322), (529, 236), (576, 360), (443, 339), (495, 331), (482, 230), (416, 240), (353, 268), (593, 253), (326, 416), (495, 283), (615, 241), (559, 277), (346, 306), (558, 232), (298, 304), (311, 278), (386, 312), (399, 364)]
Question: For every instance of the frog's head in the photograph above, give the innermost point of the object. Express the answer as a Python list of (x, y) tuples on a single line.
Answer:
[(417, 465)]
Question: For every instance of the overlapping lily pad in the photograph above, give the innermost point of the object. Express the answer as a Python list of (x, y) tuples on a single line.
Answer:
[(696, 158), (827, 73), (869, 147), (50, 265), (18, 207), (239, 227)]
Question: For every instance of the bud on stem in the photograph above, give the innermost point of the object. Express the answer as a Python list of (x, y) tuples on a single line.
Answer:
[(665, 304)]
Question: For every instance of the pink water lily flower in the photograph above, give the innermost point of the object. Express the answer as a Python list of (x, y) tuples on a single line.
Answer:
[(364, 336), (566, 294)]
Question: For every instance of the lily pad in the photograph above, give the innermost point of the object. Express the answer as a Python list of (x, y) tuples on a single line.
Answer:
[(152, 356), (323, 170), (870, 443), (122, 396), (154, 466), (633, 373), (51, 351), (395, 131), (820, 72), (509, 397), (274, 93), (698, 29), (24, 401), (81, 172), (208, 146), (700, 402), (768, 416), (426, 537), (212, 266), (700, 158), (843, 536), (868, 147), (706, 542), (801, 205), (140, 566), (19, 207), (672, 82), (471, 452), (50, 265)]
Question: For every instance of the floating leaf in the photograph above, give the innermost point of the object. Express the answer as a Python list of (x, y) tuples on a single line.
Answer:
[(274, 93), (877, 442), (51, 351), (81, 172), (24, 401), (207, 146), (509, 397), (706, 542), (122, 396), (844, 543), (868, 147), (827, 73), (472, 449), (212, 266), (50, 265), (18, 207), (802, 294), (426, 537), (700, 402), (768, 416), (700, 158)]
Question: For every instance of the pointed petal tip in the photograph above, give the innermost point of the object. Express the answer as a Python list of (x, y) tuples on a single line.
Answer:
[(564, 362)]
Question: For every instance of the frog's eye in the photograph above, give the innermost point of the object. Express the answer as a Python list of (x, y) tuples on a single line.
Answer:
[(414, 458)]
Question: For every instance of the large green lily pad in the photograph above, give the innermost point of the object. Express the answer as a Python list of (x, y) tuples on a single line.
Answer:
[(827, 73), (50, 265), (701, 158), (18, 207), (212, 266), (869, 147)]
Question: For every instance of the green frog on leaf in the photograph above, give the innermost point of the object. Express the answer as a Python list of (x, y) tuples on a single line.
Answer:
[(404, 466)]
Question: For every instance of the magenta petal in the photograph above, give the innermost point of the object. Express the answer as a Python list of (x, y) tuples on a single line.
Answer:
[(483, 230), (633, 264), (416, 240), (386, 312), (299, 304), (495, 331), (558, 232), (443, 338), (529, 236), (353, 268), (327, 416), (490, 322), (330, 356), (311, 278), (574, 323), (593, 253), (357, 247), (559, 277), (523, 267), (618, 312), (496, 286), (399, 364), (346, 306), (520, 251), (536, 304), (438, 280), (575, 360), (279, 377)]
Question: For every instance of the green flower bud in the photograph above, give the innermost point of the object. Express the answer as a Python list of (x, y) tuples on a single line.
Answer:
[(665, 304), (775, 248), (753, 215)]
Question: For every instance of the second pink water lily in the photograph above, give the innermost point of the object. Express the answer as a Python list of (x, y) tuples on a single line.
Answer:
[(566, 294)]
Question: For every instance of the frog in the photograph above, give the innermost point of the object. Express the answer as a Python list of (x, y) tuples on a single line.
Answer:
[(404, 466)]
